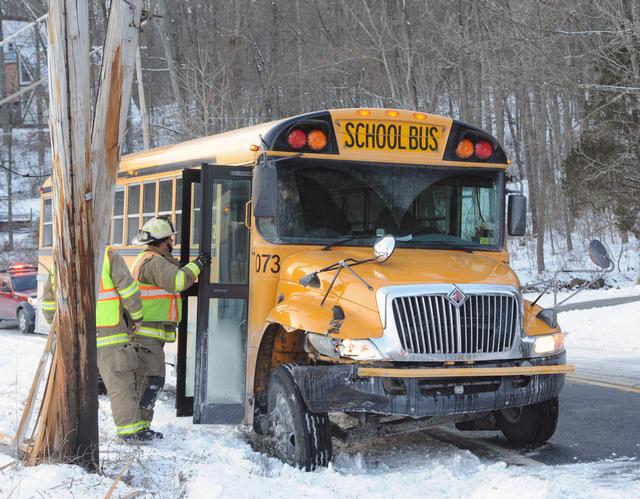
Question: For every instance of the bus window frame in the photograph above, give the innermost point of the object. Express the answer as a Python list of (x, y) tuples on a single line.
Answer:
[(119, 188), (139, 214), (43, 223), (170, 212), (147, 215)]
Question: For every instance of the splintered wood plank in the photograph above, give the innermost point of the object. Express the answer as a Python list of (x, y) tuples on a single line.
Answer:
[(27, 412), (43, 430)]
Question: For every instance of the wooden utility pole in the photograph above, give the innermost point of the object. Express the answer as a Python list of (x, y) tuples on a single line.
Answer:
[(112, 106), (83, 171), (73, 434), (144, 117)]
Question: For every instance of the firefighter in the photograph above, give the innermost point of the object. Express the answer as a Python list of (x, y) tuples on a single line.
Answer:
[(161, 279), (118, 313)]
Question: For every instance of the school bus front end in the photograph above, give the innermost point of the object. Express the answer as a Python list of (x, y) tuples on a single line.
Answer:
[(380, 286)]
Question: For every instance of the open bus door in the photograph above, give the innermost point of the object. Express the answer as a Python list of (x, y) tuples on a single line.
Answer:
[(212, 335)]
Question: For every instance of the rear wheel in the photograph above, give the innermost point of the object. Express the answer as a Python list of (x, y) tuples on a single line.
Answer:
[(24, 324), (530, 424), (301, 438)]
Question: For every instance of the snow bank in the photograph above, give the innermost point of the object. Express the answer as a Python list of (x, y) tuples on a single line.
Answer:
[(218, 461), (604, 330)]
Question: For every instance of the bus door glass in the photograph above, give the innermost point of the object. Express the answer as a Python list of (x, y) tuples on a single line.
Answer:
[(218, 355)]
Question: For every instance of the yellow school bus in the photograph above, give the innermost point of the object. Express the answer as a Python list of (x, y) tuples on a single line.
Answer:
[(360, 269)]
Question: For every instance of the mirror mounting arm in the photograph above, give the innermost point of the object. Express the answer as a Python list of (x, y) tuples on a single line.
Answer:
[(343, 264)]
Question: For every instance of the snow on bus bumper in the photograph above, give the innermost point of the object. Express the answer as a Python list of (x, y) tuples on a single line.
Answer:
[(439, 391)]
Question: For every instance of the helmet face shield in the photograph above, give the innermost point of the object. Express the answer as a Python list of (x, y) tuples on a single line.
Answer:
[(142, 238)]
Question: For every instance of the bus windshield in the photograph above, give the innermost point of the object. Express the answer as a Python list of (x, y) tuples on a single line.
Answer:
[(321, 202)]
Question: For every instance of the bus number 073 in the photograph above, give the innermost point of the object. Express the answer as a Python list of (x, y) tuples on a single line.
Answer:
[(267, 262)]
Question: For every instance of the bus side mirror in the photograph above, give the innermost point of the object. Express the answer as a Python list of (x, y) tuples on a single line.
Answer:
[(517, 215), (264, 191), (599, 254)]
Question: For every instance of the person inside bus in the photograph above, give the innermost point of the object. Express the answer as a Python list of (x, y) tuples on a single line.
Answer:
[(320, 213)]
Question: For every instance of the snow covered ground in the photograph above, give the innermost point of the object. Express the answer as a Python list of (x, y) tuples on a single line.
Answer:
[(218, 461), (626, 258)]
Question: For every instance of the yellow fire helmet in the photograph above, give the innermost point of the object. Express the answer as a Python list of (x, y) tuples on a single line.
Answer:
[(156, 229)]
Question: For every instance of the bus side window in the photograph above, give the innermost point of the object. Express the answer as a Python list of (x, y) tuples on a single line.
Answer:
[(47, 223), (133, 211), (117, 225), (148, 201)]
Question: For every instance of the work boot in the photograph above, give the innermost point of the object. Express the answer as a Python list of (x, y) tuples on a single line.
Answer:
[(139, 437), (151, 434)]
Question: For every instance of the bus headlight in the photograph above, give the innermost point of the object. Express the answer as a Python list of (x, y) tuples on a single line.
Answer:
[(358, 350), (323, 344), (547, 344)]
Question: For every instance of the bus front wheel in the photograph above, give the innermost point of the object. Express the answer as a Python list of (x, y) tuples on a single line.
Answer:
[(529, 425), (301, 438)]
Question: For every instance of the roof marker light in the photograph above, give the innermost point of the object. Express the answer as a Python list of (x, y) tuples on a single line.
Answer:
[(392, 113), (420, 116), (363, 112)]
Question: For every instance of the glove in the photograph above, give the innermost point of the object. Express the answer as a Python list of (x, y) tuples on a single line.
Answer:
[(203, 260), (136, 326)]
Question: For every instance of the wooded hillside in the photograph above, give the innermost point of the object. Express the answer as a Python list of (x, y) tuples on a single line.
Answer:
[(557, 81)]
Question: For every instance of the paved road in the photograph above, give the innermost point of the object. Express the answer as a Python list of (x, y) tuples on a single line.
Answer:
[(612, 367), (596, 423), (599, 303)]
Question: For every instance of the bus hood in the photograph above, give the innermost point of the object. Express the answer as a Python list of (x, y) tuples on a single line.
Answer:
[(406, 266)]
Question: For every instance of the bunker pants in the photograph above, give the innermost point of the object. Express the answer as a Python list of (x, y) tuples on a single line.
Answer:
[(117, 365), (150, 374)]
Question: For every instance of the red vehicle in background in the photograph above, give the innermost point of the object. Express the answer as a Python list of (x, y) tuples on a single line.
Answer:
[(18, 289)]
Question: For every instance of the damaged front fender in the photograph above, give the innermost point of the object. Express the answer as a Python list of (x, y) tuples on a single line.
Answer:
[(339, 318), (301, 313)]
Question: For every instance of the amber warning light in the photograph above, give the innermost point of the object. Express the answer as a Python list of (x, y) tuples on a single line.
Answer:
[(315, 139)]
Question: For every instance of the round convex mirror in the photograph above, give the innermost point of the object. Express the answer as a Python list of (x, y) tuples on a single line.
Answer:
[(599, 255), (383, 248)]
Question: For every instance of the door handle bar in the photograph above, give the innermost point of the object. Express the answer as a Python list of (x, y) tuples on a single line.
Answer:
[(247, 215)]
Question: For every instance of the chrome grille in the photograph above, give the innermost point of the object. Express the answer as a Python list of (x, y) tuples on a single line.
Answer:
[(432, 324)]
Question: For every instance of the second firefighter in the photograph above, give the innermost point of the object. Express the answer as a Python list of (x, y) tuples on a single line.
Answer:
[(161, 279)]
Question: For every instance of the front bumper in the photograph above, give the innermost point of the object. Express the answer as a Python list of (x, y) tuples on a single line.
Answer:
[(353, 388)]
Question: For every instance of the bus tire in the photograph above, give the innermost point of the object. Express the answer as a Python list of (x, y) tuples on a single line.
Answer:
[(529, 425), (301, 438)]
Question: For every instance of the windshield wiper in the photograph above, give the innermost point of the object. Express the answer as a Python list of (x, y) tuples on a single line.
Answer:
[(346, 240), (450, 246)]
